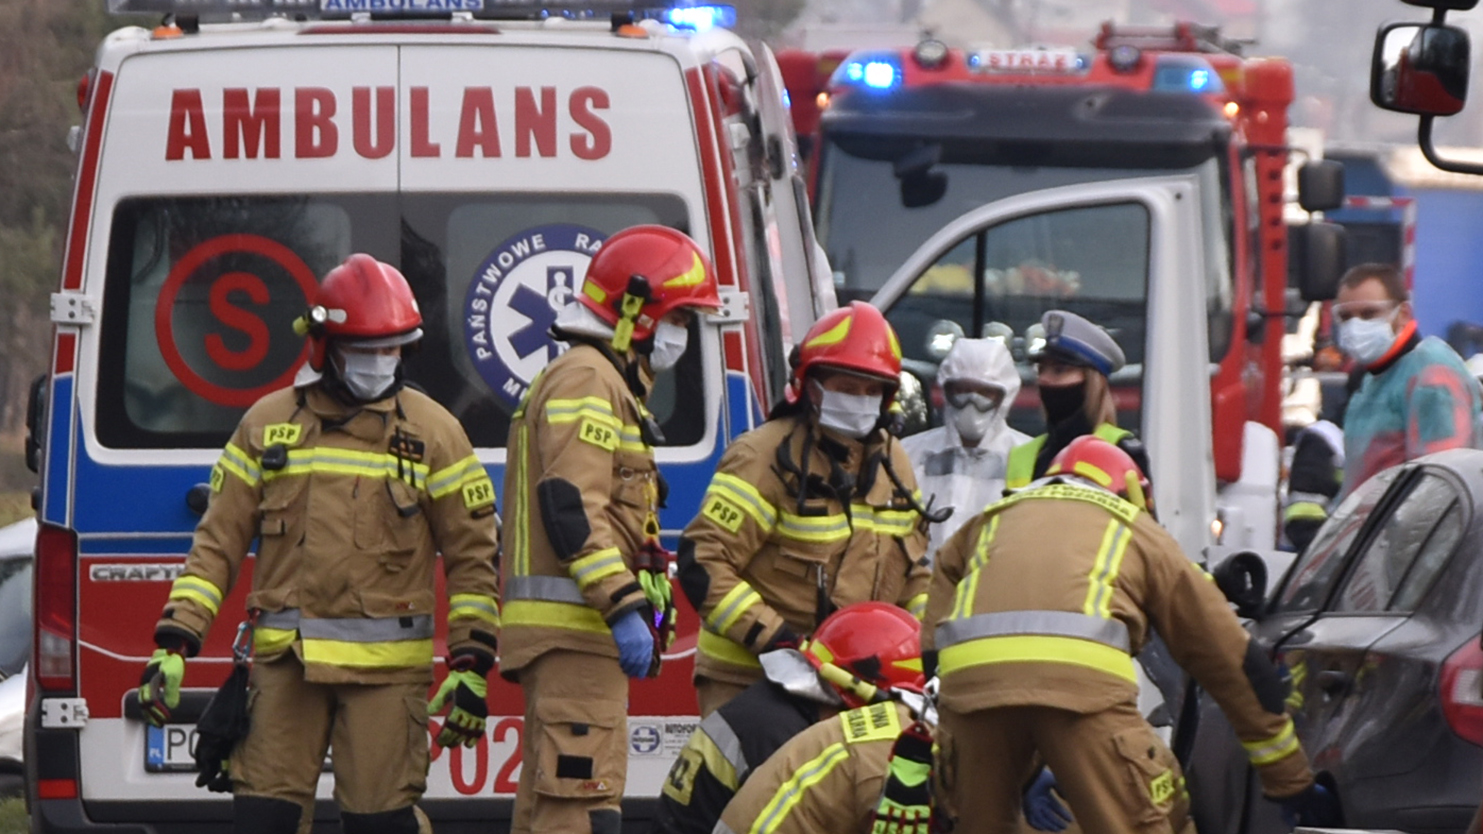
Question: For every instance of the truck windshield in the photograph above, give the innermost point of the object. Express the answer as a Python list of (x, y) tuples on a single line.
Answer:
[(202, 292), (873, 212)]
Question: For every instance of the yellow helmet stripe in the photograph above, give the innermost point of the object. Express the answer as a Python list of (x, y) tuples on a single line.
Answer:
[(833, 335), (694, 276)]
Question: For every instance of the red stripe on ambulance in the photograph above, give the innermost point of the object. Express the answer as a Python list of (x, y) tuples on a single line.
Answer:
[(252, 123)]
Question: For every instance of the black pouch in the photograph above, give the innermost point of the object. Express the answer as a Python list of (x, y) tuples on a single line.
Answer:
[(224, 721)]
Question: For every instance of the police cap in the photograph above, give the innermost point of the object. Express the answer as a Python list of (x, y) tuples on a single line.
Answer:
[(1072, 339)]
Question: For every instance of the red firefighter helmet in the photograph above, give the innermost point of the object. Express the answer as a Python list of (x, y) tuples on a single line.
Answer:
[(875, 641), (363, 301), (1105, 465), (641, 274), (856, 338)]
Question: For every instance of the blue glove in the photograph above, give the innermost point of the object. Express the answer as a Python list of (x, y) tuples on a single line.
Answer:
[(1314, 807), (1043, 811), (635, 644)]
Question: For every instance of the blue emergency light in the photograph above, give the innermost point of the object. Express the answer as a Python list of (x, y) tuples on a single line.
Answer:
[(684, 16), (878, 71), (1186, 74), (701, 18)]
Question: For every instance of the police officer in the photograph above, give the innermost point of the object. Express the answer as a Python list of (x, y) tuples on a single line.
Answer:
[(351, 484), (812, 511), (873, 641), (1034, 636), (1072, 370), (587, 597)]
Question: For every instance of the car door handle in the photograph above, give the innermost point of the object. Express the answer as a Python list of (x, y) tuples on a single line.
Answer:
[(1334, 681)]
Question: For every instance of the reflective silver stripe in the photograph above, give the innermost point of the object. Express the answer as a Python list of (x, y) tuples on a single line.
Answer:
[(287, 620), (368, 630), (548, 588), (1109, 632), (726, 741)]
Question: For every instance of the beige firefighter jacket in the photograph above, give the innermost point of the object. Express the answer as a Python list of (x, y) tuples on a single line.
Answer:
[(1045, 598), (350, 507), (827, 778), (579, 466), (755, 558)]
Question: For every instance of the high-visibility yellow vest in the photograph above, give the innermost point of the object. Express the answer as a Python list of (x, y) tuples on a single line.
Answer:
[(1020, 470)]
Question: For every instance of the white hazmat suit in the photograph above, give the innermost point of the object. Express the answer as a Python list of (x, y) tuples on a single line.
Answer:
[(962, 477)]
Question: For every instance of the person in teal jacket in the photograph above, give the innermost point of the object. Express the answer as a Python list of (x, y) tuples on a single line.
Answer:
[(1417, 396)]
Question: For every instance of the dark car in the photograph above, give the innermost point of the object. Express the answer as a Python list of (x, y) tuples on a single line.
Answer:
[(1378, 622)]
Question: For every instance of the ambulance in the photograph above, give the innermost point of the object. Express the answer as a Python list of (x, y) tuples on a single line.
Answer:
[(233, 154)]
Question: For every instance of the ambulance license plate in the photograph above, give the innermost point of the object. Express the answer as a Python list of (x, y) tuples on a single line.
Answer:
[(170, 749)]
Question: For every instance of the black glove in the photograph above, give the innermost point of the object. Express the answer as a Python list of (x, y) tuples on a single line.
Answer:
[(1315, 807)]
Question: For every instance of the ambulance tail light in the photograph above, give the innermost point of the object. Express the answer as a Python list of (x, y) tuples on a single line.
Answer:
[(1462, 691), (83, 85), (56, 608)]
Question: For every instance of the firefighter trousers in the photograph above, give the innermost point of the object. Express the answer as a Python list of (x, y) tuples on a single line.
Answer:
[(1115, 772), (574, 746), (379, 734)]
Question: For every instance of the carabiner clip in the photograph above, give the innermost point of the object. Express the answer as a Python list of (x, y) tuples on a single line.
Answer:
[(242, 643)]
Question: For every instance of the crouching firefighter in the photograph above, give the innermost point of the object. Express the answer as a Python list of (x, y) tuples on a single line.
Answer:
[(586, 591), (1037, 608), (874, 642), (812, 511), (352, 484)]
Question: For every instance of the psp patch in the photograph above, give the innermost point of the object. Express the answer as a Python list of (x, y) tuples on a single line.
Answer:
[(513, 301)]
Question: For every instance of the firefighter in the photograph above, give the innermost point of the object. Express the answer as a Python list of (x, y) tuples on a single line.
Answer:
[(586, 590), (814, 510), (1034, 636), (352, 484), (1072, 370), (874, 641), (961, 464)]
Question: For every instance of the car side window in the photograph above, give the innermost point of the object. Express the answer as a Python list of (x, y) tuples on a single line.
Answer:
[(1380, 568), (1314, 573), (1429, 563)]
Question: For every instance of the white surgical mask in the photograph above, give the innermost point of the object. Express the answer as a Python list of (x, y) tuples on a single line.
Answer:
[(669, 345), (367, 375), (852, 415), (970, 423), (1367, 339)]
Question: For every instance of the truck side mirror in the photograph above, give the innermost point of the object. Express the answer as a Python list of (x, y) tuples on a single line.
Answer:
[(1316, 259), (1243, 580), (36, 422), (1321, 185), (1445, 5), (1420, 69)]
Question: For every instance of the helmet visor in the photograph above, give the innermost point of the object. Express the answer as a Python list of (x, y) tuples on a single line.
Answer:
[(385, 341)]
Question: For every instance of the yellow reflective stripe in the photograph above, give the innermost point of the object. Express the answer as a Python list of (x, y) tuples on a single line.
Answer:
[(1305, 511), (197, 589), (824, 528), (522, 511), (530, 612), (833, 335), (387, 655), (631, 438), (236, 461), (597, 566), (477, 606), (447, 481), (720, 768), (917, 606), (1280, 746), (791, 792), (732, 606), (967, 590), (889, 522), (1104, 569), (588, 408), (272, 640), (1124, 510), (690, 277), (349, 462), (725, 650), (1033, 648), (745, 496)]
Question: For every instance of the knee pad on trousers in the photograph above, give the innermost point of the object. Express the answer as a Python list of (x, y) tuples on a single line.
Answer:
[(264, 815), (606, 821), (400, 821)]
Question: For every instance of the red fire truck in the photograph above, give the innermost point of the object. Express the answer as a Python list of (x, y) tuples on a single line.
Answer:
[(1139, 183)]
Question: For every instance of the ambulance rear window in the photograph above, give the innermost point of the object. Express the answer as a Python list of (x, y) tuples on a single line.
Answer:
[(202, 293)]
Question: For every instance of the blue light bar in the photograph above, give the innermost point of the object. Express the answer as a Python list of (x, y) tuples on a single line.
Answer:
[(877, 71), (701, 18), (1184, 74)]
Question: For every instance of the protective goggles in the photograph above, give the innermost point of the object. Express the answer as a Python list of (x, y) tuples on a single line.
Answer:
[(961, 398)]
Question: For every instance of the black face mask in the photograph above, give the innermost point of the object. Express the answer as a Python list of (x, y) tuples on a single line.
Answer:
[(1062, 401)]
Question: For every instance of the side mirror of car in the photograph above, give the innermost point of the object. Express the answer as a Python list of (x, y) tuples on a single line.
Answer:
[(1321, 185), (1444, 5), (1316, 259), (1243, 579), (1420, 69)]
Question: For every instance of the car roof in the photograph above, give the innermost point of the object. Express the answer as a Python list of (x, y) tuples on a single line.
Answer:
[(18, 539)]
